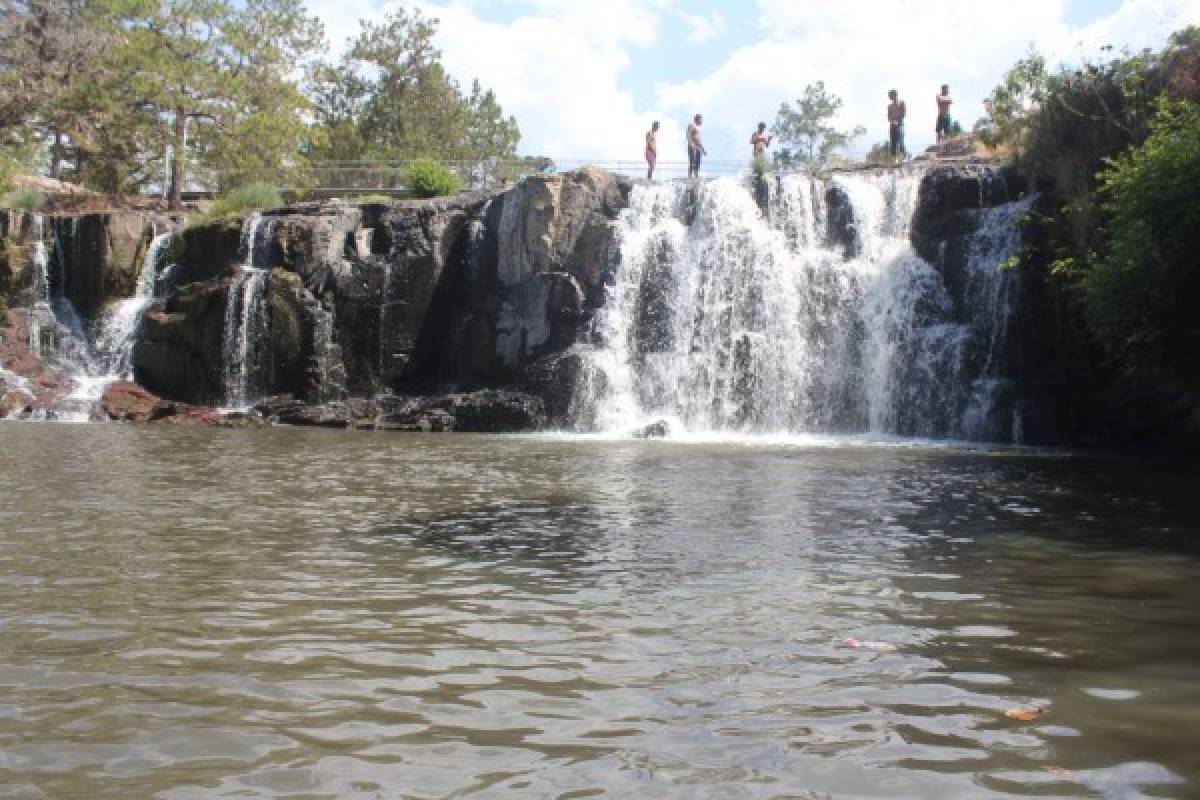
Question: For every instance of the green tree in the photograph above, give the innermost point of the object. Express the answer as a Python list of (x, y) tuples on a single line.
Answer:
[(1017, 98), (218, 76), (806, 133), (1141, 291), (390, 98), (52, 83)]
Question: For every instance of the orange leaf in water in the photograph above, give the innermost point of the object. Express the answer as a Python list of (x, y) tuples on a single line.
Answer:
[(1023, 714)]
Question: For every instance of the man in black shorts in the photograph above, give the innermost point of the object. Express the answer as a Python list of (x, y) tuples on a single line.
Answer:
[(695, 145)]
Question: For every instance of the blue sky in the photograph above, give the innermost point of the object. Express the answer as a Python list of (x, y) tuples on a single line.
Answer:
[(585, 79)]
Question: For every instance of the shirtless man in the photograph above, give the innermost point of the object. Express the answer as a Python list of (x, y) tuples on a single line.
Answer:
[(760, 141), (942, 128), (695, 145), (651, 150), (896, 112)]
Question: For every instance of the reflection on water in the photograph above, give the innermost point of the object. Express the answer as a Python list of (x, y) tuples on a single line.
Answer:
[(316, 614)]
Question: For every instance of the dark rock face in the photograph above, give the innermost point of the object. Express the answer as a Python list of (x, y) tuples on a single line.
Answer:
[(415, 298), (947, 213), (842, 228), (555, 251), (207, 252), (91, 258), (179, 351), (488, 411)]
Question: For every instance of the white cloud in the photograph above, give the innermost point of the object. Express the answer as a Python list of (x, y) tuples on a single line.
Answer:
[(562, 66), (864, 48), (702, 28)]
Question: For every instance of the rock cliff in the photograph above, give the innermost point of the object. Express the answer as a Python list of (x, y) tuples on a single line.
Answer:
[(415, 297)]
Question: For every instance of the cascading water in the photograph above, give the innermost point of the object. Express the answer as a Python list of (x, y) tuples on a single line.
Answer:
[(40, 277), (243, 321), (116, 329), (722, 320)]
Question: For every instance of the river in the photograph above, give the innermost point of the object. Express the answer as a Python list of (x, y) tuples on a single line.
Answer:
[(287, 613)]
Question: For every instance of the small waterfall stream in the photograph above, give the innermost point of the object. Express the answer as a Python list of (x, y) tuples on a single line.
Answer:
[(243, 321), (90, 357), (722, 320), (116, 329)]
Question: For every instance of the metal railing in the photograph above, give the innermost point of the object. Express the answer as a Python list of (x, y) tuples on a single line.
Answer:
[(333, 178)]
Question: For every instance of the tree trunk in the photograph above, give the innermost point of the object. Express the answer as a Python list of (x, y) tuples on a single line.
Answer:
[(175, 203)]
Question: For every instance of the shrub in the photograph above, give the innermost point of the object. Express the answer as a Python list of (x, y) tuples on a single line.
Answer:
[(427, 178), (1141, 289), (251, 197), (23, 200)]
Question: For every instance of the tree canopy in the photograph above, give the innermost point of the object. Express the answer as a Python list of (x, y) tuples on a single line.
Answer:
[(807, 136), (123, 95), (1114, 148), (390, 98)]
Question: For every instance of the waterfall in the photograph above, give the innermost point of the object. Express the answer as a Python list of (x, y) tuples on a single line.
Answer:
[(116, 329), (242, 336), (818, 317), (40, 277)]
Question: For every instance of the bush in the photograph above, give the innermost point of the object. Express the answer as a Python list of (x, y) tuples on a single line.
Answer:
[(1141, 290), (251, 197), (23, 200), (425, 177)]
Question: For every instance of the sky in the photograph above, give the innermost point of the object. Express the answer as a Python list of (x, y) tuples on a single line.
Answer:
[(585, 78)]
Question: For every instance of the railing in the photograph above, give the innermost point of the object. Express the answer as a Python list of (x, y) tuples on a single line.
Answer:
[(334, 178)]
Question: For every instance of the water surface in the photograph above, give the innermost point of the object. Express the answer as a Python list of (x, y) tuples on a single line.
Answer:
[(288, 613)]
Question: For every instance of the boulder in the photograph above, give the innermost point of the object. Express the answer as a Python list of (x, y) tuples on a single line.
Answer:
[(287, 410), (16, 402), (128, 402)]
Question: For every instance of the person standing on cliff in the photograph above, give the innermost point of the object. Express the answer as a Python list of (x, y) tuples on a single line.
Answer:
[(760, 141), (651, 150), (941, 128), (695, 145), (896, 112)]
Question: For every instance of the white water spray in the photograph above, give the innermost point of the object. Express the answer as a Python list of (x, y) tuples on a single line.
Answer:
[(721, 320)]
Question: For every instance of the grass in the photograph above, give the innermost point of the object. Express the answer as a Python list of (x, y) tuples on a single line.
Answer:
[(23, 200), (251, 197)]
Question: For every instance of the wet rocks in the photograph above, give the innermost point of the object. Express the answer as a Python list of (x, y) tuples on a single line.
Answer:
[(128, 402), (487, 411), (655, 430), (16, 402)]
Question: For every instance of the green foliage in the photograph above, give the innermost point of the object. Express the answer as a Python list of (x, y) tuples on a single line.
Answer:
[(1114, 148), (23, 200), (806, 134), (880, 153), (212, 80), (10, 165), (390, 99), (1017, 99), (427, 178), (251, 197), (1141, 291)]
